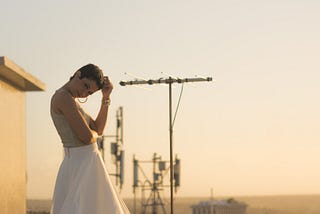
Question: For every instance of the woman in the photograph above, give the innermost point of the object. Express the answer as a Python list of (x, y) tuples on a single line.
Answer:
[(83, 185)]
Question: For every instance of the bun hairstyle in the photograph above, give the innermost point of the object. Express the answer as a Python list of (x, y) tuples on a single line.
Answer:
[(92, 72)]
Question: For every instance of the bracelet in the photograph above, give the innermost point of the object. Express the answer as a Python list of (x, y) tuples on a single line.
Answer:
[(106, 101)]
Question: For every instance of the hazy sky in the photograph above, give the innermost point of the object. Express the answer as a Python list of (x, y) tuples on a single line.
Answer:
[(253, 131)]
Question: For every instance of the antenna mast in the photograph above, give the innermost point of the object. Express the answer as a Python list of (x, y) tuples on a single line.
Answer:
[(117, 151), (168, 81)]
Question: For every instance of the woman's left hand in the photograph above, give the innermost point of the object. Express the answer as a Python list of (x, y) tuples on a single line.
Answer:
[(107, 87)]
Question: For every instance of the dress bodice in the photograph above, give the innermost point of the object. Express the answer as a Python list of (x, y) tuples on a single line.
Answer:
[(66, 133)]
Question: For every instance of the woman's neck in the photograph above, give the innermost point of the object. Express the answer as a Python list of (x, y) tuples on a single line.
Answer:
[(67, 87)]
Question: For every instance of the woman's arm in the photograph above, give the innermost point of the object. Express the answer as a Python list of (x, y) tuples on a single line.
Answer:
[(100, 122), (66, 104)]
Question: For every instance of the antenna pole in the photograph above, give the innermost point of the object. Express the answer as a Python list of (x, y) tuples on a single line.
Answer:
[(168, 81), (171, 145)]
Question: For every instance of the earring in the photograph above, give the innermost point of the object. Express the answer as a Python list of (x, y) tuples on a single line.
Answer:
[(80, 101)]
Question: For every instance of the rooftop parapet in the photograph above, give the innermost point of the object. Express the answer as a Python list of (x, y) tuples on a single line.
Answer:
[(18, 77)]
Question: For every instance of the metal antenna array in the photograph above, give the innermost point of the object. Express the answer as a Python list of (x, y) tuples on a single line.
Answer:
[(154, 186), (170, 81), (117, 152)]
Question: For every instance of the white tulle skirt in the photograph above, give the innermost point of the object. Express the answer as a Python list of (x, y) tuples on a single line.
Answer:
[(83, 185)]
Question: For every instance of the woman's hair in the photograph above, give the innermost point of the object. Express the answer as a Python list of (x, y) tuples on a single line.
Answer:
[(92, 72)]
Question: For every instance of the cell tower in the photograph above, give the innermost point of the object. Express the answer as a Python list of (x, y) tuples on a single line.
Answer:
[(117, 153), (153, 187)]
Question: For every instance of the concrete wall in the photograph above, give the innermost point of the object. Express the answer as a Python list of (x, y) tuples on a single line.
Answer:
[(14, 82), (12, 149)]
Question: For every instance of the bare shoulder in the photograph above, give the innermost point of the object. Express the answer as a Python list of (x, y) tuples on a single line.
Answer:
[(60, 99)]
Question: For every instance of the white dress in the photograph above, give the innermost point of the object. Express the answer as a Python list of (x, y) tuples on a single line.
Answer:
[(83, 185)]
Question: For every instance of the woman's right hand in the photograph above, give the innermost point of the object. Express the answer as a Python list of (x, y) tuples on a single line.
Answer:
[(106, 88)]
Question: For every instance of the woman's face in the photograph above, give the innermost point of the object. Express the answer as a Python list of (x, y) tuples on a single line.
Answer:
[(85, 87)]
